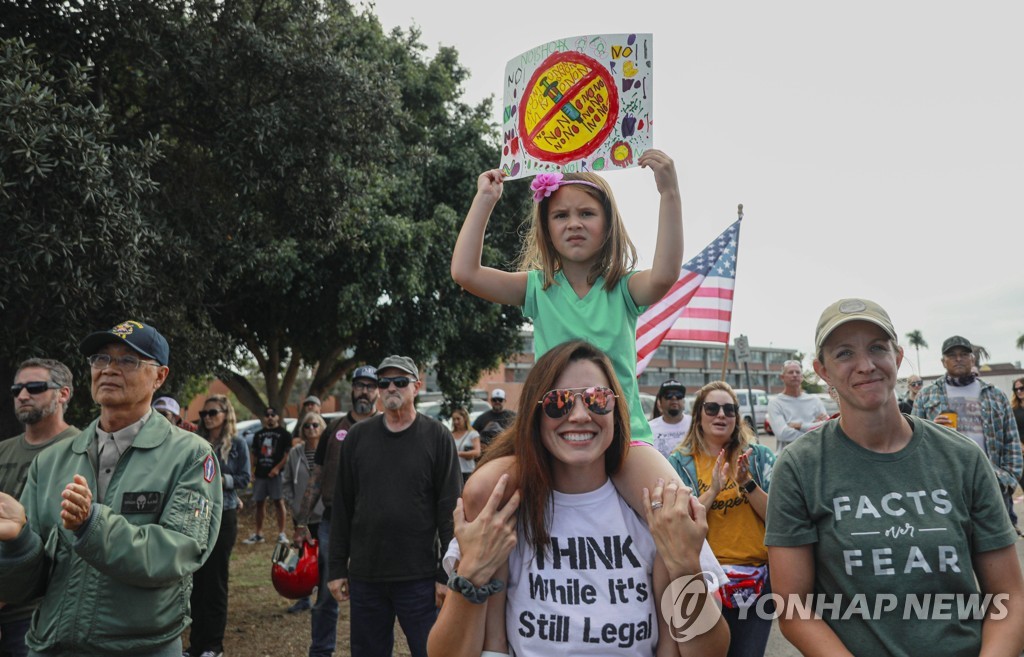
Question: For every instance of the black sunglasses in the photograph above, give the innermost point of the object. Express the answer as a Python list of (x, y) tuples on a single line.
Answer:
[(210, 413), (916, 384), (33, 387), (712, 408), (1016, 389), (672, 394), (559, 403), (399, 381), (311, 425)]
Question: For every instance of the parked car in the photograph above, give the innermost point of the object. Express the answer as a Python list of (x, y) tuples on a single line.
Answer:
[(760, 408), (433, 409)]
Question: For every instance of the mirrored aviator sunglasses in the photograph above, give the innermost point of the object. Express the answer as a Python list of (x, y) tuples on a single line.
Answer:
[(558, 403)]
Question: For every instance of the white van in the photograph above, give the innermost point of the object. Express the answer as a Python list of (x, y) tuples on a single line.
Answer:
[(760, 410)]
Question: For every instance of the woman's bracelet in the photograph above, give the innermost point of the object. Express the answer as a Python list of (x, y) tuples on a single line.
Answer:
[(475, 594)]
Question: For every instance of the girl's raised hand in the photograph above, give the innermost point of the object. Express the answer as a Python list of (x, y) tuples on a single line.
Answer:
[(663, 167), (490, 185)]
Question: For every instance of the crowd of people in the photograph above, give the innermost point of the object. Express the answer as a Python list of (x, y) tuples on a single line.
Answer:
[(572, 525)]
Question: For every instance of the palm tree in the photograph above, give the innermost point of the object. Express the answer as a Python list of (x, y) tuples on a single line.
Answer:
[(917, 341), (980, 354), (1020, 341)]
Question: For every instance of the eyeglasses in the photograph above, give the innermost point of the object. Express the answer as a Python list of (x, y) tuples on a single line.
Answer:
[(712, 408), (672, 394), (103, 361), (212, 413), (399, 381), (916, 384), (311, 425), (359, 385), (558, 403), (1015, 388), (33, 387), (498, 400)]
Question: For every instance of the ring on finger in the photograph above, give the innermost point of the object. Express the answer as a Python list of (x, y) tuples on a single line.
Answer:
[(655, 506)]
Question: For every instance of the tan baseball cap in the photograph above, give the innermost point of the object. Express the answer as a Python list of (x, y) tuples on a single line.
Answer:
[(850, 310)]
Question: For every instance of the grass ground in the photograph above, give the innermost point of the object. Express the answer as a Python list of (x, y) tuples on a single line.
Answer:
[(258, 623)]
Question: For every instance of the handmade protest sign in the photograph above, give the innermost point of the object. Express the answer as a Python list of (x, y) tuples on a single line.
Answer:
[(578, 104)]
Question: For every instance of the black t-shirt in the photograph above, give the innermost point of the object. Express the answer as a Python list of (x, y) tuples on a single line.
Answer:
[(503, 418), (270, 447)]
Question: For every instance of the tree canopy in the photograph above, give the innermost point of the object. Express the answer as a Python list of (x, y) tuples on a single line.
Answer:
[(298, 177)]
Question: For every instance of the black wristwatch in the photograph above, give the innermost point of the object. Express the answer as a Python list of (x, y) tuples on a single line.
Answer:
[(749, 487), (476, 595)]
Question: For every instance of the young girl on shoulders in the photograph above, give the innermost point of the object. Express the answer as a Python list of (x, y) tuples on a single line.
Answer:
[(577, 281)]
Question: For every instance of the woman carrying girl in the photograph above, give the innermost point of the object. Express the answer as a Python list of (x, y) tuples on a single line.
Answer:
[(210, 583), (577, 281), (570, 434), (879, 513), (718, 459)]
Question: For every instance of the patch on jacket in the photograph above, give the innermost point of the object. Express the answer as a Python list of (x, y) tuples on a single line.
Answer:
[(341, 434), (209, 469), (140, 502)]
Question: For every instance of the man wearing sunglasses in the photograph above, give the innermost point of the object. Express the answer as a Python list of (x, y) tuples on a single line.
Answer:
[(670, 421), (794, 412), (982, 411), (170, 409), (396, 491), (113, 522), (270, 447), (324, 617), (498, 413), (42, 389)]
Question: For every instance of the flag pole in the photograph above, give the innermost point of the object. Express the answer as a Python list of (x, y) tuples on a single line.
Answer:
[(725, 357)]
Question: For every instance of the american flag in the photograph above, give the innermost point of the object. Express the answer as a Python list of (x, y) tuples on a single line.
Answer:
[(699, 305)]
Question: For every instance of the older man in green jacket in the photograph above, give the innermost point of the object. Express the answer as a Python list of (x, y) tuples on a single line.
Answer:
[(111, 525)]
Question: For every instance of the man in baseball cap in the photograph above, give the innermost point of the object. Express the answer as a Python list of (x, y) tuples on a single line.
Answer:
[(170, 409), (498, 413), (670, 421), (130, 484), (983, 414)]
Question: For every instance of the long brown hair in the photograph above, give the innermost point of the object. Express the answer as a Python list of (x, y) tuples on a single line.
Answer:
[(1014, 400), (617, 256), (694, 441), (227, 430), (532, 471)]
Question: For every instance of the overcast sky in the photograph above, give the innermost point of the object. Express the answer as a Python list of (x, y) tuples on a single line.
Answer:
[(877, 147)]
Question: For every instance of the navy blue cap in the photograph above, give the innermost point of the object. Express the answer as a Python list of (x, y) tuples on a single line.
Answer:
[(365, 372), (143, 338)]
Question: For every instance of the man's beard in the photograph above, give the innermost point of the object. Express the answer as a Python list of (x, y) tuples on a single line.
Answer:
[(33, 414), (674, 412), (361, 405)]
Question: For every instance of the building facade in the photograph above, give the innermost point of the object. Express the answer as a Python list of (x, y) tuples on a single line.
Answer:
[(692, 363)]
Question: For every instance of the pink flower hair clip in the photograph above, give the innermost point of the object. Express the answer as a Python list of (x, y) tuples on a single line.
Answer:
[(546, 184)]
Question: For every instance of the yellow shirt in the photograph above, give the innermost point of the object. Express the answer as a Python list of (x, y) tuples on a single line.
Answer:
[(735, 531)]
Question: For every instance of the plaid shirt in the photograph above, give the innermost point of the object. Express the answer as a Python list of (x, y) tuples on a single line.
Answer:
[(1002, 442)]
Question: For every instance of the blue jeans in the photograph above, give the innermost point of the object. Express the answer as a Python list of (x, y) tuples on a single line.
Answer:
[(324, 617), (12, 638), (373, 607), (1008, 499)]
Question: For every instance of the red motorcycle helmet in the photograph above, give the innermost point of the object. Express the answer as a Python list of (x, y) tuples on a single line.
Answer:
[(294, 571)]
